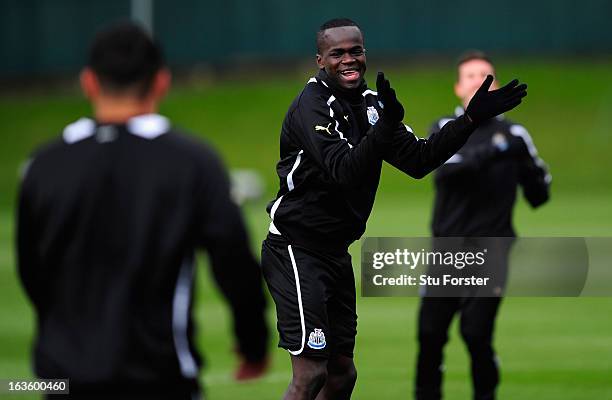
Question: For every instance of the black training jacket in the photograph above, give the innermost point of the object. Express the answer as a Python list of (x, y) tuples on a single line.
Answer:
[(109, 218), (330, 163), (476, 188)]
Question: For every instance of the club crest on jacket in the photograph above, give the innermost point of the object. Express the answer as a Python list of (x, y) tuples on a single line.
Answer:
[(372, 115)]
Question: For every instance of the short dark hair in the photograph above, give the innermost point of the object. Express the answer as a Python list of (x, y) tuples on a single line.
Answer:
[(125, 58), (333, 23), (472, 55)]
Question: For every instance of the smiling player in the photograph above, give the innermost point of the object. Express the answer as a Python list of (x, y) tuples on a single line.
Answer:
[(334, 139)]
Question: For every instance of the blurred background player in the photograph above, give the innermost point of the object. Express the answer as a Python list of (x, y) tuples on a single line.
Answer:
[(475, 195), (333, 141), (109, 218)]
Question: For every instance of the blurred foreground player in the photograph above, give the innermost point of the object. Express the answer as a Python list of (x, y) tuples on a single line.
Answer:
[(109, 218), (475, 195), (333, 142)]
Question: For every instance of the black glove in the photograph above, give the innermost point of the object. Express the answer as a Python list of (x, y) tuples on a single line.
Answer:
[(485, 104), (393, 112)]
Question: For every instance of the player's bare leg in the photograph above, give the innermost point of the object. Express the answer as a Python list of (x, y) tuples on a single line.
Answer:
[(341, 378), (309, 376)]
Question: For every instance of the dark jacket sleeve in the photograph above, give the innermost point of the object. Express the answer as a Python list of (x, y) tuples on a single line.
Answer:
[(234, 268), (466, 162), (314, 126), (28, 258), (534, 177), (418, 157)]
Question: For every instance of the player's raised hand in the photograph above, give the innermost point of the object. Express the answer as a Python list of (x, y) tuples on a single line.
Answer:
[(393, 111), (486, 104)]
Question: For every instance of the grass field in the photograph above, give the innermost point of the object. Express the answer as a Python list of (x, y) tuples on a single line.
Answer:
[(550, 348)]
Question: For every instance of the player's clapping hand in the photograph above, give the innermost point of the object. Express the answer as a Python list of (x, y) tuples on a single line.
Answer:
[(393, 111), (486, 104)]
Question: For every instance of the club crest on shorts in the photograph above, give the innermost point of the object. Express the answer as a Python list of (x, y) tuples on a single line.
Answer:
[(316, 340), (372, 115)]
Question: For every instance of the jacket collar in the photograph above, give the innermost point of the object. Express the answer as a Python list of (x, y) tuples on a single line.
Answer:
[(147, 126)]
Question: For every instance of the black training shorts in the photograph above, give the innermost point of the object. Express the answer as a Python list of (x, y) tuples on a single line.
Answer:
[(314, 295)]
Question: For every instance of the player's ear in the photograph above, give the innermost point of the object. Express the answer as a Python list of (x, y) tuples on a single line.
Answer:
[(320, 61), (90, 85), (457, 91), (161, 83)]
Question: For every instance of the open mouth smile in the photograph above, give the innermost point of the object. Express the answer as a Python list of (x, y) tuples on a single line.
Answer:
[(350, 74)]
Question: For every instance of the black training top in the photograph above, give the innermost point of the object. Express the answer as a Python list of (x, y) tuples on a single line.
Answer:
[(476, 188), (331, 158), (109, 218)]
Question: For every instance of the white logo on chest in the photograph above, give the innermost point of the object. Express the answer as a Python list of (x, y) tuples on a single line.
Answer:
[(323, 128)]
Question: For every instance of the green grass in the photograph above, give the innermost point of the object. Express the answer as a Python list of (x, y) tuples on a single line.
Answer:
[(550, 348)]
